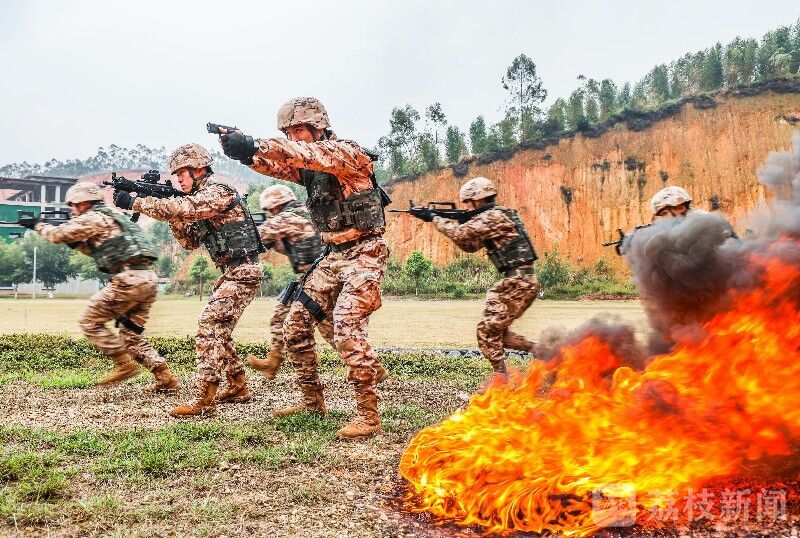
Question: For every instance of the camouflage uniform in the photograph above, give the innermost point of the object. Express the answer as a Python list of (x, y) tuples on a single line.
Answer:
[(508, 298), (289, 227), (345, 284), (235, 288), (130, 293)]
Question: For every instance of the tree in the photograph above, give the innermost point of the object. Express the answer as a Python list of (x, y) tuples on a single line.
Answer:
[(200, 271), (607, 98), (556, 118), (454, 145), (428, 152), (712, 74), (52, 261), (624, 96), (161, 235), (400, 144), (12, 263), (478, 136), (418, 268), (86, 268), (526, 94), (165, 266), (659, 84), (574, 113), (436, 120)]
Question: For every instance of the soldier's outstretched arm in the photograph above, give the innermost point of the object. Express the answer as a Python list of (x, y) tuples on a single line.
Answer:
[(201, 205), (336, 157), (468, 236), (262, 165), (75, 230)]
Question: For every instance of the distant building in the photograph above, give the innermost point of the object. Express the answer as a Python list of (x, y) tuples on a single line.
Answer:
[(37, 193)]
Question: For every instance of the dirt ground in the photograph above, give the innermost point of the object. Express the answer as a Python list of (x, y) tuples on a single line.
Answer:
[(399, 323)]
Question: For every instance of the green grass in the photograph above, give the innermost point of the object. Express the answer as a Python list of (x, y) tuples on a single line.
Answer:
[(60, 362)]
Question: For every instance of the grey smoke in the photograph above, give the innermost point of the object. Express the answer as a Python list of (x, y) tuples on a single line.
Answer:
[(686, 269)]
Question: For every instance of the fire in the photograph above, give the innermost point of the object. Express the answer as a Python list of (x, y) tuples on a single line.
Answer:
[(532, 453)]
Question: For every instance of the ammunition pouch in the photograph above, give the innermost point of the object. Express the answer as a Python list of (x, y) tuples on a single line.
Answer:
[(515, 253), (331, 212), (304, 252), (133, 247), (233, 242), (287, 295)]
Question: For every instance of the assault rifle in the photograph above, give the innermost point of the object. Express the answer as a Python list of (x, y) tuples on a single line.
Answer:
[(148, 186), (52, 216), (216, 128), (445, 210), (621, 245)]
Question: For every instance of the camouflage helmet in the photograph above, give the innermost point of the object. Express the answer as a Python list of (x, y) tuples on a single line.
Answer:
[(189, 155), (477, 188), (84, 191), (276, 195), (303, 111), (669, 197)]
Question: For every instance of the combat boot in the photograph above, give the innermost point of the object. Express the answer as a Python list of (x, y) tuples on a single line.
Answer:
[(516, 341), (125, 369), (236, 391), (165, 381), (313, 401), (367, 420), (381, 373), (267, 367), (203, 403)]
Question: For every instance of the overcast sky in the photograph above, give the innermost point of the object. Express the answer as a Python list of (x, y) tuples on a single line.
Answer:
[(77, 75)]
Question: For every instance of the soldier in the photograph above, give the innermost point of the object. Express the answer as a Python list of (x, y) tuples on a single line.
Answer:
[(120, 248), (346, 206), (214, 215), (676, 202), (502, 233), (289, 231)]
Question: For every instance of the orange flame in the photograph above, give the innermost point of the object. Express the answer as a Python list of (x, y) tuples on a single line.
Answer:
[(528, 458)]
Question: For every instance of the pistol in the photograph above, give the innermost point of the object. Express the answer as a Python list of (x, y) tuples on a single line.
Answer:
[(216, 128)]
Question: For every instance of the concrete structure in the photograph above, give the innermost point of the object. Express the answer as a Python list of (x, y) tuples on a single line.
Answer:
[(36, 193)]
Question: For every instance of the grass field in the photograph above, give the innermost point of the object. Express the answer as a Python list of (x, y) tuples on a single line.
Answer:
[(399, 323), (79, 460)]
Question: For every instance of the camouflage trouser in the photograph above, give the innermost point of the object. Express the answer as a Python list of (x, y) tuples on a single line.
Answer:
[(233, 291), (279, 314), (129, 294), (347, 285), (506, 301)]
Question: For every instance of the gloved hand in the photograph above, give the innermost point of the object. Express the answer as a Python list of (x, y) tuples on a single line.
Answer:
[(28, 221), (239, 146), (123, 200), (422, 213)]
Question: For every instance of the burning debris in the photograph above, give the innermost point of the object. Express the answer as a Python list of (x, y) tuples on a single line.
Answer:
[(590, 439)]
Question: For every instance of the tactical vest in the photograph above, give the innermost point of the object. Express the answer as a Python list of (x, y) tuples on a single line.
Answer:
[(331, 211), (515, 253), (234, 241), (303, 252), (133, 246)]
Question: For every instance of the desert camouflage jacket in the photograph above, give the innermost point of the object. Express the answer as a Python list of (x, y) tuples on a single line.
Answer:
[(83, 233), (283, 159), (471, 236)]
